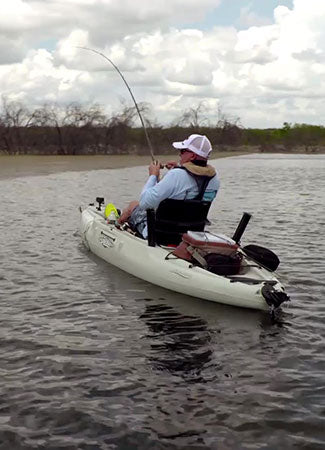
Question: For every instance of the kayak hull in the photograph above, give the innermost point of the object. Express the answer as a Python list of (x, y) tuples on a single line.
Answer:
[(133, 255)]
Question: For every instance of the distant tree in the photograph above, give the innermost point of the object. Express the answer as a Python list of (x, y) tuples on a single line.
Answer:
[(14, 117), (83, 116), (308, 135), (118, 126), (229, 129), (193, 117), (77, 128)]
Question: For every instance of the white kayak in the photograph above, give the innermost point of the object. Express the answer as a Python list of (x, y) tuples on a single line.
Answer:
[(253, 287)]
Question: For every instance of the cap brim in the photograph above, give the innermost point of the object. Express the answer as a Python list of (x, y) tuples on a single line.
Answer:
[(179, 145)]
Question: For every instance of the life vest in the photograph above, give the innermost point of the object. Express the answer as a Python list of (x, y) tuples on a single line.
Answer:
[(201, 174)]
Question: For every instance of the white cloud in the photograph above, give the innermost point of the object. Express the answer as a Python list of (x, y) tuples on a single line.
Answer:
[(266, 74), (105, 20)]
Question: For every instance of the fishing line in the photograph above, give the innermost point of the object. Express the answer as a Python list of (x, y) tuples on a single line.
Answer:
[(129, 89)]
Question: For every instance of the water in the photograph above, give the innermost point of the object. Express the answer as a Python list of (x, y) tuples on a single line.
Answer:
[(93, 358)]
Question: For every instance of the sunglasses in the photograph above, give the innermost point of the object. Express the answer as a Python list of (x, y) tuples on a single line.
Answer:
[(184, 150)]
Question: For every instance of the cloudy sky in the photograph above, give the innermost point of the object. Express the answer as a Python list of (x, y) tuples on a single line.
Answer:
[(260, 60)]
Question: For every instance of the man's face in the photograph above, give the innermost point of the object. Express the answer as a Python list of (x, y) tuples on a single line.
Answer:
[(186, 156)]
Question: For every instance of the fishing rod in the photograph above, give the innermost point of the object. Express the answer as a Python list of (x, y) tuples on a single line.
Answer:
[(129, 89)]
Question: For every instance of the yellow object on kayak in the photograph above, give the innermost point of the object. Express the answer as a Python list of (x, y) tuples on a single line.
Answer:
[(109, 209)]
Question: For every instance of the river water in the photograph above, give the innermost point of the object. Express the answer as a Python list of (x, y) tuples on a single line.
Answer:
[(93, 358)]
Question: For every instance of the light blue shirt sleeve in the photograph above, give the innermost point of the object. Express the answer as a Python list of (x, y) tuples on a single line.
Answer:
[(153, 192), (176, 184)]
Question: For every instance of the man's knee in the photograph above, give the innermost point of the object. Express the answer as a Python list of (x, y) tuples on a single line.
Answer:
[(126, 213)]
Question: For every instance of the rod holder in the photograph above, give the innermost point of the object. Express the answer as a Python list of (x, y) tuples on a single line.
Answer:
[(151, 223), (241, 227)]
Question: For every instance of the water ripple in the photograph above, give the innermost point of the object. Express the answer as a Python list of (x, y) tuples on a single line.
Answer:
[(93, 358)]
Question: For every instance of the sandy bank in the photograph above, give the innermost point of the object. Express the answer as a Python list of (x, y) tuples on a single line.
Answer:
[(25, 165)]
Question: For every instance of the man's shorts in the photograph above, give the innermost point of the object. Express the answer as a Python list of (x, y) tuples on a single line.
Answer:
[(138, 219)]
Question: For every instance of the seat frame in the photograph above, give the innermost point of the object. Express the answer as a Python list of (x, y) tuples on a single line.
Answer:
[(173, 218)]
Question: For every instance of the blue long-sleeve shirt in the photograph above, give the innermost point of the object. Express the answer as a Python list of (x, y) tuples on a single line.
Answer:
[(177, 184)]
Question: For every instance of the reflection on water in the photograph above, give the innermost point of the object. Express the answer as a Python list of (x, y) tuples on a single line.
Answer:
[(92, 358), (180, 343)]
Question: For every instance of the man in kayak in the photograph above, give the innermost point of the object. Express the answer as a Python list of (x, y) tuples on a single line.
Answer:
[(191, 178)]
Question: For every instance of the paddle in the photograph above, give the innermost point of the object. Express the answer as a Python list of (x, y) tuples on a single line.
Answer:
[(261, 255)]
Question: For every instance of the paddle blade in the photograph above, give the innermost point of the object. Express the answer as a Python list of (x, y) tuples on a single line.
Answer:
[(262, 255)]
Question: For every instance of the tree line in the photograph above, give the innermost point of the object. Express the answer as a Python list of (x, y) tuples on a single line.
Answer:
[(86, 129)]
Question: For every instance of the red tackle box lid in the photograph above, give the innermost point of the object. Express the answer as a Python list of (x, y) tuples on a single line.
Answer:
[(205, 239)]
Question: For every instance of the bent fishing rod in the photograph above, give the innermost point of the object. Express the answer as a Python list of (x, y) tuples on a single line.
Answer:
[(129, 89)]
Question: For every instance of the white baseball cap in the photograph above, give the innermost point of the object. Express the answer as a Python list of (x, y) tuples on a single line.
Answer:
[(196, 143)]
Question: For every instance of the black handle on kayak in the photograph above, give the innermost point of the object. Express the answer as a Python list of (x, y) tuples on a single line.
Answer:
[(151, 223), (241, 227), (100, 201)]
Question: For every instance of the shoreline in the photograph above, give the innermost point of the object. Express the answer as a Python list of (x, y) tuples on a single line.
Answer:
[(15, 166)]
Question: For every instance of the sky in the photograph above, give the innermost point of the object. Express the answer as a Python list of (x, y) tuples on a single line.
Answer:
[(259, 61)]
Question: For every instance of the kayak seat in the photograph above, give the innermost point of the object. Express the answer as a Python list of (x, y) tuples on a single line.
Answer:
[(173, 218)]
